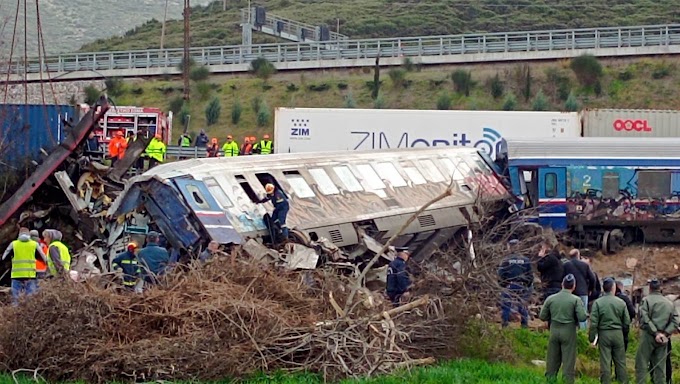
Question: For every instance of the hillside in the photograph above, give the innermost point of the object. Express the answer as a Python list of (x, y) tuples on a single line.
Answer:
[(379, 18)]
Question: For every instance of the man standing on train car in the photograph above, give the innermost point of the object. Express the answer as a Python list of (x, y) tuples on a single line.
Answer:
[(516, 279), (398, 280), (281, 207)]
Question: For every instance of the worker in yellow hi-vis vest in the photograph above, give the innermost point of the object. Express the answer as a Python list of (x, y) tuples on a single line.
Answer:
[(264, 146), (156, 151), (230, 148)]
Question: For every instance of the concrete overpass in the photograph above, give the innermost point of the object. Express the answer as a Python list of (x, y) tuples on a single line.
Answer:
[(451, 49)]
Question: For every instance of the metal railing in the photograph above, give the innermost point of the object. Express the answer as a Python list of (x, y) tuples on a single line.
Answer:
[(281, 26), (659, 36)]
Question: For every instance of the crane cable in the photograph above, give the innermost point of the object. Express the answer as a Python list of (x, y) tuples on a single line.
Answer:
[(11, 51)]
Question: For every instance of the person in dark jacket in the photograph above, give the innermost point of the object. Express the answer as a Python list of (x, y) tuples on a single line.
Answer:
[(202, 140), (281, 207), (597, 287), (621, 294), (398, 280), (153, 258), (516, 279), (126, 262), (92, 146), (550, 267), (585, 280)]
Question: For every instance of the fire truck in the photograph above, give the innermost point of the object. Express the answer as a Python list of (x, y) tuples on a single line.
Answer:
[(128, 120)]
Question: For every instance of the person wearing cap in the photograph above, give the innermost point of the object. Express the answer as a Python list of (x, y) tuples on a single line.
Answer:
[(563, 311), (40, 264), (117, 146), (58, 255), (24, 252), (264, 146), (230, 148), (153, 258), (549, 266), (585, 280), (398, 281), (621, 294), (608, 317), (516, 279), (213, 148), (281, 207), (126, 262), (658, 320), (156, 151)]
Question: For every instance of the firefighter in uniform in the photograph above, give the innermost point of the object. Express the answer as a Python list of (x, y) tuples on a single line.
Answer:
[(563, 311), (516, 278), (280, 201), (264, 146), (658, 320), (127, 263)]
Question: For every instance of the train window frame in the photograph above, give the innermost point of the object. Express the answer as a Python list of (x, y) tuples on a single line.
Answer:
[(388, 171), (349, 182), (609, 193), (550, 192), (323, 181), (431, 172), (198, 197), (653, 184), (247, 188), (299, 185), (414, 175), (452, 169), (370, 177), (218, 193)]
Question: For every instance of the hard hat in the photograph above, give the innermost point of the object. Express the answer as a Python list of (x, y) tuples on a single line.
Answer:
[(229, 137), (266, 136), (131, 246), (158, 136), (269, 188)]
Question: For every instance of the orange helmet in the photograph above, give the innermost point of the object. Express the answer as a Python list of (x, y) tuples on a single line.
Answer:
[(119, 133), (158, 136), (269, 188), (131, 246), (214, 140), (266, 137)]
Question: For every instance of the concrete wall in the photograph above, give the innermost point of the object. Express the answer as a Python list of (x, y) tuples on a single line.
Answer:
[(63, 91)]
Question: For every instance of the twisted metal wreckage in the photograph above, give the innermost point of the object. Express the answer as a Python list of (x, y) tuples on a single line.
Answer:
[(344, 205)]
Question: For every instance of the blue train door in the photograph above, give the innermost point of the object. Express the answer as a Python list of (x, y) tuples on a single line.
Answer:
[(552, 197)]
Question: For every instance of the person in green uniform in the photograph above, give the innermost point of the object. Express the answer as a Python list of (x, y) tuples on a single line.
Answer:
[(608, 317), (563, 311), (658, 320)]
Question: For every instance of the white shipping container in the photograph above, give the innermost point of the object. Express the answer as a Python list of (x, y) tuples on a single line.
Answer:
[(631, 123), (314, 130)]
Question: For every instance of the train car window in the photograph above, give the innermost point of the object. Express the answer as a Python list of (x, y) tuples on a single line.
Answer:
[(389, 172), (481, 165), (414, 175), (198, 197), (430, 171), (550, 184), (610, 185), (455, 171), (372, 179), (349, 182), (218, 193), (247, 188), (654, 184), (326, 185), (299, 185)]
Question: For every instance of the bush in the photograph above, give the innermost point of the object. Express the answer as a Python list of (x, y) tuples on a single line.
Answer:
[(625, 75), (137, 91), (212, 111), (199, 73), (497, 87), (236, 111), (660, 71), (379, 102), (203, 90), (319, 87), (436, 83), (528, 80), (91, 94), (256, 103), (262, 68), (370, 84), (571, 105), (342, 86), (462, 81), (180, 66), (263, 115), (587, 69), (184, 114), (540, 102), (266, 87), (558, 83), (292, 87), (510, 102), (444, 102), (408, 65), (349, 101), (398, 77), (597, 88), (176, 104), (115, 86)]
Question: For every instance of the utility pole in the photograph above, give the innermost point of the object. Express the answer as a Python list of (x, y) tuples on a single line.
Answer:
[(185, 72), (165, 17), (224, 5)]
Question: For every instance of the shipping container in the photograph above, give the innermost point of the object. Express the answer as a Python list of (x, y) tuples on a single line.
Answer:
[(631, 123), (25, 129), (312, 129)]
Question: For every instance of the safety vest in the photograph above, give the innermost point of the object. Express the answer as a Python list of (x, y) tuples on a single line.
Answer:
[(64, 256), (265, 147), (230, 149), (186, 141), (41, 266), (23, 262), (156, 150)]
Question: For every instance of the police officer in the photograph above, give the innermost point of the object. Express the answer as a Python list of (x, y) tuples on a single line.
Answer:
[(608, 317), (563, 311), (658, 320), (398, 280), (281, 207), (516, 279)]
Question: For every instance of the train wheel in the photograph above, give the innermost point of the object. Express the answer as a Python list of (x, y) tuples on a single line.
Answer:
[(616, 240)]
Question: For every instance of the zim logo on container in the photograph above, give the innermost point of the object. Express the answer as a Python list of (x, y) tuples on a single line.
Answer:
[(300, 127), (632, 125)]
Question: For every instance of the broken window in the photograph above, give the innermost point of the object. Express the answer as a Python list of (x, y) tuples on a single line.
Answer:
[(455, 171), (247, 188), (218, 193), (430, 171), (371, 178), (197, 196), (414, 175), (610, 185), (349, 182), (299, 185), (654, 184), (550, 185), (326, 185), (389, 172)]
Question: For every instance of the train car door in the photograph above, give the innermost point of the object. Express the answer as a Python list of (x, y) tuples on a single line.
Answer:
[(552, 197)]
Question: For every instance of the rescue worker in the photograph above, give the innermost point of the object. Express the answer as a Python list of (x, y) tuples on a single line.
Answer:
[(608, 317), (58, 255), (398, 281), (280, 201), (202, 140), (230, 148), (92, 146), (156, 151), (40, 264), (563, 311), (516, 279), (550, 267), (184, 140), (585, 280), (126, 262), (24, 253), (621, 294), (139, 163), (117, 146), (247, 147), (658, 320), (208, 253), (264, 147), (214, 148), (153, 258)]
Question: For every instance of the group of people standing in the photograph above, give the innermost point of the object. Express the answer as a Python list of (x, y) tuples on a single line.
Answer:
[(250, 146), (155, 151)]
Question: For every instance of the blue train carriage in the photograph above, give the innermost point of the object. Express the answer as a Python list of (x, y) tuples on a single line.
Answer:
[(600, 192), (340, 196)]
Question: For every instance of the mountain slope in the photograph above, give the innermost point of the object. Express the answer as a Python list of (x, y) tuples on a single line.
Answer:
[(382, 18)]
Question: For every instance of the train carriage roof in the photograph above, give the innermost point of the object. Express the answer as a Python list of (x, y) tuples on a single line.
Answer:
[(594, 148)]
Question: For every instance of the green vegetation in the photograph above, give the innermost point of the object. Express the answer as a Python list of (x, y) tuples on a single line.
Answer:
[(211, 26), (212, 111)]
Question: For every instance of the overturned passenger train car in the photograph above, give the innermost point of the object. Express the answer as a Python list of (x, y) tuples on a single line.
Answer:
[(340, 196)]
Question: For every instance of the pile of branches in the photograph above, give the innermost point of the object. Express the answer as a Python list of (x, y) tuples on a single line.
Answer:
[(215, 321)]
